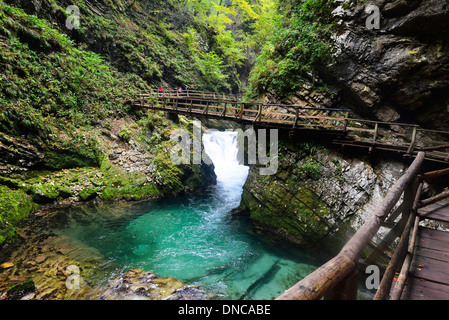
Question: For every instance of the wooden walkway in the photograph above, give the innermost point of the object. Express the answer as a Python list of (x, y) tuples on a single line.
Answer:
[(402, 138), (429, 271)]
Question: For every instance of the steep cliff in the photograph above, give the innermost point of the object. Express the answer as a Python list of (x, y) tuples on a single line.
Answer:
[(385, 60), (396, 72)]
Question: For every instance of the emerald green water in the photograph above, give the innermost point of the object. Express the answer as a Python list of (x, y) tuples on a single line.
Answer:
[(194, 238)]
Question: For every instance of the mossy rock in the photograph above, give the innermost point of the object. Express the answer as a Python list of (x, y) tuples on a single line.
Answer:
[(43, 193), (57, 160), (7, 233), (15, 205), (88, 193), (19, 290)]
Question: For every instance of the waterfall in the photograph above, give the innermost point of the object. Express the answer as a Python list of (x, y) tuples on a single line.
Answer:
[(222, 148)]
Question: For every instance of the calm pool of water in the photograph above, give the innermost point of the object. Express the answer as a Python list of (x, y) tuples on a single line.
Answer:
[(194, 238)]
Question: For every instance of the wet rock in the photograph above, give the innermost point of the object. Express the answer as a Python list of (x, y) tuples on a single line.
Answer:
[(21, 289), (40, 259), (137, 284), (7, 265)]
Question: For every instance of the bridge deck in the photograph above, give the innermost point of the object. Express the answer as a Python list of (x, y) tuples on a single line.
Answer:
[(429, 272), (406, 139)]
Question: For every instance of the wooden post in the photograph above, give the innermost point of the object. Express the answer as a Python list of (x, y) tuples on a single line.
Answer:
[(346, 289), (224, 109), (345, 127), (259, 113), (413, 142), (376, 129), (296, 117)]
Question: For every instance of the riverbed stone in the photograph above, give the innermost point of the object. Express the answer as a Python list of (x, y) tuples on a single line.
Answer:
[(40, 259)]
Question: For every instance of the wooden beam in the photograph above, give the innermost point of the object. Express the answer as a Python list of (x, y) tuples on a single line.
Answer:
[(435, 174), (441, 196), (413, 141)]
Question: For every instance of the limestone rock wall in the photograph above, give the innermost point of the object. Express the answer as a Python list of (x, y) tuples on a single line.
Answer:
[(319, 196)]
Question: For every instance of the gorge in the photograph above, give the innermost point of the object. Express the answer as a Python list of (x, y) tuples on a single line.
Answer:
[(86, 178)]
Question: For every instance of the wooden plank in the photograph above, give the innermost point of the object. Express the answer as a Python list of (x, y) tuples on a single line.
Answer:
[(432, 253), (433, 234), (430, 269), (432, 244), (438, 211), (417, 289)]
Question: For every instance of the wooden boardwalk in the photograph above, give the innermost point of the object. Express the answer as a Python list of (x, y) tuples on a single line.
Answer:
[(429, 271), (402, 138)]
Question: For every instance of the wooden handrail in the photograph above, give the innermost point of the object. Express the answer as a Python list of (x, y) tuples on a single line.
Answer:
[(319, 282), (353, 132), (438, 197), (410, 213)]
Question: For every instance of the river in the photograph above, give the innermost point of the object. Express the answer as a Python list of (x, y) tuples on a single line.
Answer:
[(193, 238)]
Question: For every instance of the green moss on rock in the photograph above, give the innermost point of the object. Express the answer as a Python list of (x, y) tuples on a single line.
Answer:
[(15, 207), (19, 290)]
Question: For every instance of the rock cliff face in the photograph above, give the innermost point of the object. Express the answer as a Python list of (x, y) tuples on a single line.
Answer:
[(399, 71), (319, 196)]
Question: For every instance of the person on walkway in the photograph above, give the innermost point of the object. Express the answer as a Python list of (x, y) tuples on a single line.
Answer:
[(161, 91), (179, 90)]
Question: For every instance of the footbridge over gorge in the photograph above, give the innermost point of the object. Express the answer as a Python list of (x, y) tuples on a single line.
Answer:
[(411, 259), (342, 128)]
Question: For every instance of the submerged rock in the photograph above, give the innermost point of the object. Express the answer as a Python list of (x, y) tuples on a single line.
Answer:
[(136, 284), (21, 289)]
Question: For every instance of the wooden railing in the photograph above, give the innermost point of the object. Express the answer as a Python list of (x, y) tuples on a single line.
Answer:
[(339, 277), (403, 138), (193, 94), (407, 244)]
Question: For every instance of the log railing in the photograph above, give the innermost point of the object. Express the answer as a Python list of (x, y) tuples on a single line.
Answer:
[(338, 278), (193, 94)]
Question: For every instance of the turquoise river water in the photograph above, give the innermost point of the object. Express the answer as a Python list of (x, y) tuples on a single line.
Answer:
[(195, 239)]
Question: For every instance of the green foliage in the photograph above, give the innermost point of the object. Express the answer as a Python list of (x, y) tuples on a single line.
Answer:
[(44, 75), (300, 41), (125, 134), (312, 168)]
